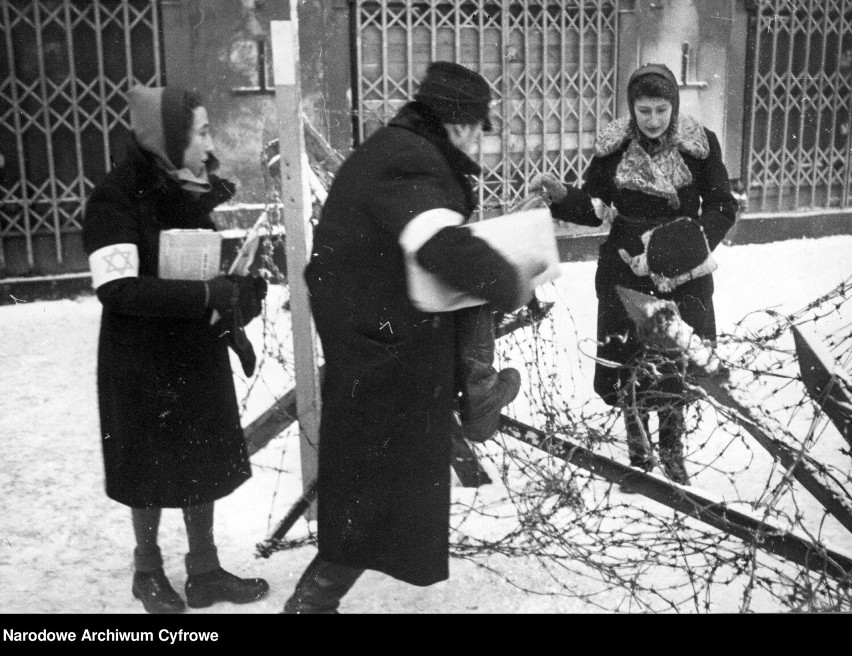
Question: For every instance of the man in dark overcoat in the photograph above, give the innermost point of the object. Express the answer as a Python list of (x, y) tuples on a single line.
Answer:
[(390, 380)]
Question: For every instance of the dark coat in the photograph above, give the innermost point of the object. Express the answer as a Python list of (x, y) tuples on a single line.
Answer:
[(170, 422), (389, 389), (707, 200)]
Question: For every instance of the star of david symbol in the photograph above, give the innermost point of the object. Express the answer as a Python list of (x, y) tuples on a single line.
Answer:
[(119, 260)]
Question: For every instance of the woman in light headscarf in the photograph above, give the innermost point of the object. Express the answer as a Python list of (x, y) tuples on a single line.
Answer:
[(170, 422), (664, 175)]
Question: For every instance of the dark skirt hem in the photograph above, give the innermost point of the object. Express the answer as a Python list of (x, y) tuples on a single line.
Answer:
[(172, 502)]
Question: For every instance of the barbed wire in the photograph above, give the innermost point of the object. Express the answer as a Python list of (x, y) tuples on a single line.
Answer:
[(561, 511), (620, 552)]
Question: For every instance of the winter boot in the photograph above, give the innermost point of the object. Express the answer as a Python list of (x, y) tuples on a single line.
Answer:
[(156, 593), (203, 590), (321, 588), (481, 421), (672, 428)]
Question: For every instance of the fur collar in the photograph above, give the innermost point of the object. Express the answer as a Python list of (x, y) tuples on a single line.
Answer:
[(689, 137)]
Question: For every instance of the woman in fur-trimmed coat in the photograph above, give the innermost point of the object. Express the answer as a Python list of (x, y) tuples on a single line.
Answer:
[(664, 175)]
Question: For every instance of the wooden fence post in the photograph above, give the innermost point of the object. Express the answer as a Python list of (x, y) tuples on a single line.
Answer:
[(295, 198)]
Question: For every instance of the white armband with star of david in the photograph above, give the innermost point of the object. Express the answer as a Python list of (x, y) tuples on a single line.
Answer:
[(113, 262)]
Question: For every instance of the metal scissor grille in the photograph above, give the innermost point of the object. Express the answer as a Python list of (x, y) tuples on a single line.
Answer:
[(551, 65), (798, 151), (65, 68)]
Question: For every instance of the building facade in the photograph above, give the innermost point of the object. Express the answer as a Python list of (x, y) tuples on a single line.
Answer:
[(770, 77)]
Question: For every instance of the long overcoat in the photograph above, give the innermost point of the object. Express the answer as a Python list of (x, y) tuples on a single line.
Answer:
[(169, 416), (704, 195), (390, 385)]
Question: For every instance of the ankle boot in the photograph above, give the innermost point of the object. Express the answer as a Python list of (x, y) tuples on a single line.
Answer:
[(482, 422), (203, 590), (156, 593), (321, 588)]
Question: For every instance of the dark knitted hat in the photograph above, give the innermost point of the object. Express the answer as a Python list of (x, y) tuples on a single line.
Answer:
[(655, 81), (456, 94)]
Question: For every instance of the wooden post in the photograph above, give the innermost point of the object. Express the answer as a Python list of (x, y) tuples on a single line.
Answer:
[(295, 198)]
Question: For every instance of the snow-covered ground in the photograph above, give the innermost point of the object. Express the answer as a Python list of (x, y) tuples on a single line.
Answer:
[(66, 548)]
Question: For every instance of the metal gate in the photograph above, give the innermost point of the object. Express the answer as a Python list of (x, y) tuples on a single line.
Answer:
[(551, 66), (798, 152), (65, 68)]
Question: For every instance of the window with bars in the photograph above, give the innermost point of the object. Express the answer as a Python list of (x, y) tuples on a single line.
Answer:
[(798, 149), (65, 69), (551, 65)]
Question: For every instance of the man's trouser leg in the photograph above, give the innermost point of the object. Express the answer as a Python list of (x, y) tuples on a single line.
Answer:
[(485, 391), (476, 349), (321, 588)]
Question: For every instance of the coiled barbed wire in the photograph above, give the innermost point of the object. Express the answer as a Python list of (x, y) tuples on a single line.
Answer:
[(622, 552)]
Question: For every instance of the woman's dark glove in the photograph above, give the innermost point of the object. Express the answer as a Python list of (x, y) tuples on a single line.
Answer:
[(238, 299), (220, 293), (240, 344), (252, 291), (241, 295), (566, 202)]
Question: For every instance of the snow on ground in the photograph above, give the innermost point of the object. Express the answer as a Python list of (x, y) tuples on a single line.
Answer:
[(66, 548)]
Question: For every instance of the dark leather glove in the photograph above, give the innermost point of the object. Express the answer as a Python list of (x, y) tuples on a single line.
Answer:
[(231, 297), (241, 345), (243, 293), (250, 295), (220, 294)]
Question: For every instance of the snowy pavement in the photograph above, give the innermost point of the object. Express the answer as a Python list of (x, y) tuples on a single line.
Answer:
[(66, 548)]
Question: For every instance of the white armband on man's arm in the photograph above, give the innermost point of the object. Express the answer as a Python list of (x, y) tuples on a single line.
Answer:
[(427, 292), (113, 262), (426, 225)]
